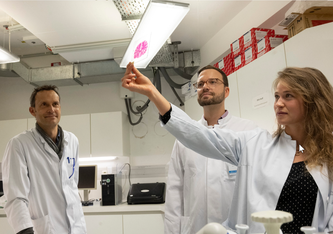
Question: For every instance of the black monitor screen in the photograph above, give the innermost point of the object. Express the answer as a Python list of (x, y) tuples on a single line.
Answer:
[(87, 177), (1, 188)]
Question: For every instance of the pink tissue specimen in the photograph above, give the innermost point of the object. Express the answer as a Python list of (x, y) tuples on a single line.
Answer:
[(141, 49)]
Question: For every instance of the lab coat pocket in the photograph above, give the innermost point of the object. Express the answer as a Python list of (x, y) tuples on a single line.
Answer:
[(184, 225), (43, 225)]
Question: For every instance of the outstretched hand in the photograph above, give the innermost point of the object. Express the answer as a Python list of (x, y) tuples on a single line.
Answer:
[(134, 81)]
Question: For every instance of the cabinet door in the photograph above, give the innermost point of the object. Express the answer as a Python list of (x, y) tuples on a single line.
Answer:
[(9, 129), (80, 126), (109, 134), (104, 224), (255, 88), (143, 224), (312, 47), (5, 227)]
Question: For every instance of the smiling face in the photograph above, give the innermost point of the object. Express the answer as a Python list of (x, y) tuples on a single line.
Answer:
[(208, 94), (289, 107), (47, 110)]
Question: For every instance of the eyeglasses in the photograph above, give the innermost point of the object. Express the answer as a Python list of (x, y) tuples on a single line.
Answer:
[(210, 82)]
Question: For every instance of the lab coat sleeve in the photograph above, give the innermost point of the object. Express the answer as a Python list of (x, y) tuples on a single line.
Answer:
[(174, 204), (16, 184), (217, 143)]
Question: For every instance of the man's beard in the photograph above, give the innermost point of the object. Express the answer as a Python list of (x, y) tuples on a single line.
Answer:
[(212, 101)]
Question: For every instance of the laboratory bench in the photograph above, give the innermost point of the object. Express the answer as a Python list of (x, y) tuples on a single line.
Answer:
[(120, 219)]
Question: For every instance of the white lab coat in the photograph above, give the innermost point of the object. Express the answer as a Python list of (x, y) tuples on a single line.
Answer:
[(41, 191), (263, 163), (199, 189)]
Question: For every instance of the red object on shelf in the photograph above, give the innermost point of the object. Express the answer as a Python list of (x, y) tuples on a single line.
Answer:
[(226, 64), (268, 43)]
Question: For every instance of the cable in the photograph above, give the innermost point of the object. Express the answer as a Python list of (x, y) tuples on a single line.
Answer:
[(182, 74), (168, 79), (129, 114), (129, 172), (176, 94)]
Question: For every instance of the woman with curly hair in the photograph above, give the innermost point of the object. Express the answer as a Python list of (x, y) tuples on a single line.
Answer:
[(291, 170)]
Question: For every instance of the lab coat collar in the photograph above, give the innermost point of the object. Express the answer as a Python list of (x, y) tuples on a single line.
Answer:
[(320, 175), (222, 121), (47, 148)]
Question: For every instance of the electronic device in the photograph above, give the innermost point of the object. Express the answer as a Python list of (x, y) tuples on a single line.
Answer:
[(151, 193), (1, 188), (87, 179), (111, 189)]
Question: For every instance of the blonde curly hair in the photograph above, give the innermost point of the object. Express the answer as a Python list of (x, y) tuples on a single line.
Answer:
[(317, 93)]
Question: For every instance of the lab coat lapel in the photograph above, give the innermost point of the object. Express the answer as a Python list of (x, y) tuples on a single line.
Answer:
[(41, 141), (320, 175)]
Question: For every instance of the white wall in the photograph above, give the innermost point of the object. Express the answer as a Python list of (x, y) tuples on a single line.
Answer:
[(253, 15)]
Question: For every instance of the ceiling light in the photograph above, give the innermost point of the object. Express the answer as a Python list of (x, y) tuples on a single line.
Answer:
[(156, 25), (7, 57), (90, 46)]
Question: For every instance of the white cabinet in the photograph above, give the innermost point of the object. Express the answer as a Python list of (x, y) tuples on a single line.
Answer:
[(104, 224), (5, 228), (255, 88), (143, 224), (80, 126), (9, 129), (232, 101), (109, 134), (312, 47)]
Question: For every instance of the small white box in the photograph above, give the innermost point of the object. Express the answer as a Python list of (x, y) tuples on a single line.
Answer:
[(125, 93), (186, 88)]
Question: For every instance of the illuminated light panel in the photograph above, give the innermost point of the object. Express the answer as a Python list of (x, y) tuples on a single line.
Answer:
[(158, 22), (7, 57)]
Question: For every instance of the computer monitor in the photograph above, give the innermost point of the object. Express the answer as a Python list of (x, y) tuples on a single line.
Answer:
[(1, 188), (87, 179)]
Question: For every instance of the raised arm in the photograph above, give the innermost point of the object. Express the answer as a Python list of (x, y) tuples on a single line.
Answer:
[(134, 81)]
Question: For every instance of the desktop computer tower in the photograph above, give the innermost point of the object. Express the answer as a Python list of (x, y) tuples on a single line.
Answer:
[(111, 189)]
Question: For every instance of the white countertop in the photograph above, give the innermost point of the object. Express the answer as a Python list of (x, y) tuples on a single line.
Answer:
[(122, 208), (125, 208)]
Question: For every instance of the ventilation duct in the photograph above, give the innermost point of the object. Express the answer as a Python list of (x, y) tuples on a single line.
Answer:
[(6, 70), (95, 72)]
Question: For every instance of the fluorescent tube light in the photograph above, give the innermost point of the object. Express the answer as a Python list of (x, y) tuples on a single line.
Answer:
[(90, 46), (96, 159), (156, 25), (7, 57)]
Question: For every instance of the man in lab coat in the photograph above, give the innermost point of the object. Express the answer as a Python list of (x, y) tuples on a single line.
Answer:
[(40, 172), (200, 189)]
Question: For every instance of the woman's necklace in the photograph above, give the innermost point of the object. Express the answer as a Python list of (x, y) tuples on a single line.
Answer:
[(300, 151)]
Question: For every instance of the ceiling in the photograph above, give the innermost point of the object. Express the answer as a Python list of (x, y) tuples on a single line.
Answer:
[(62, 23)]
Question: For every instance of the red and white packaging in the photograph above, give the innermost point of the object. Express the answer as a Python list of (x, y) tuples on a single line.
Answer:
[(238, 62), (268, 43), (250, 54), (250, 38), (236, 47), (254, 35), (226, 64)]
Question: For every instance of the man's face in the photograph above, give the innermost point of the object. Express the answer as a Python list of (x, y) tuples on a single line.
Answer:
[(211, 94), (47, 110)]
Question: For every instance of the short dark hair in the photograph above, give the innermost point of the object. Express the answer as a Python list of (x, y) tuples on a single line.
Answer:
[(224, 76), (42, 88)]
